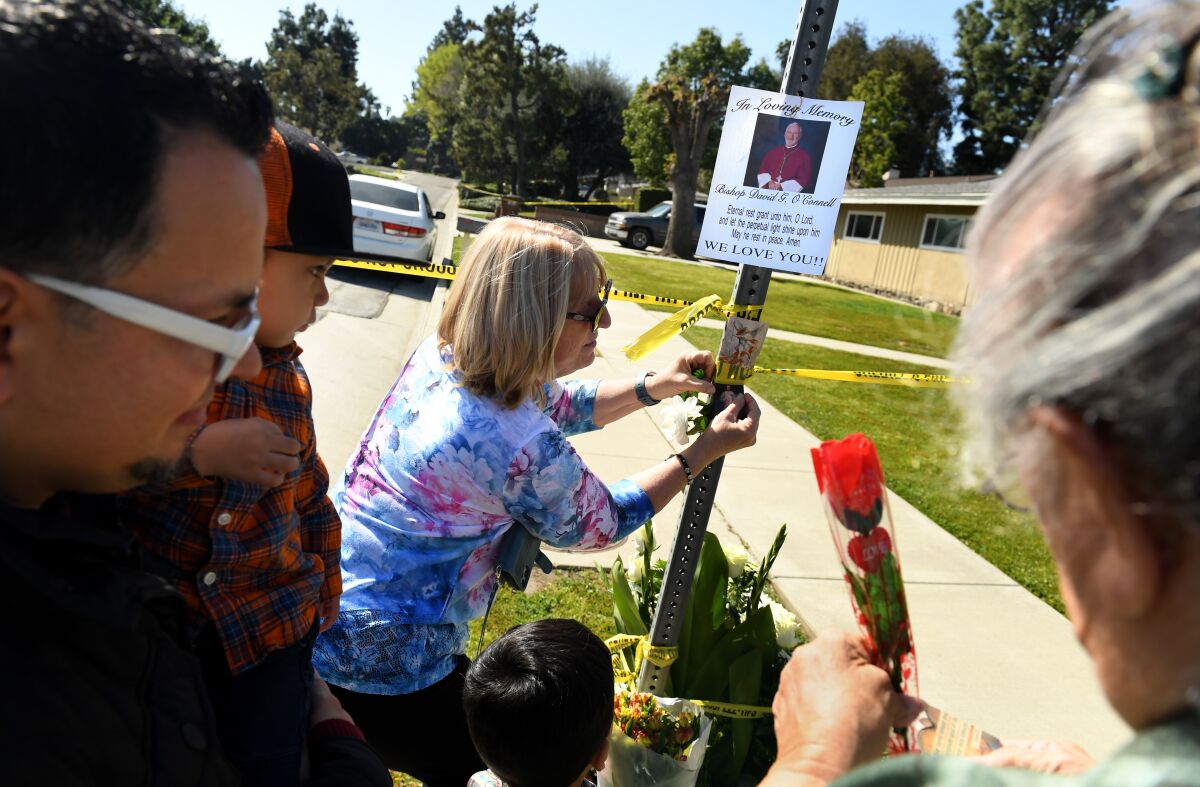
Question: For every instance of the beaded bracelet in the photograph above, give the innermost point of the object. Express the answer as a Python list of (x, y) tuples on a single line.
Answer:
[(687, 469)]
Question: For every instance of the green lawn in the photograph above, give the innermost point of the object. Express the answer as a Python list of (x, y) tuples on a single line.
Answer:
[(567, 593), (914, 430), (798, 306)]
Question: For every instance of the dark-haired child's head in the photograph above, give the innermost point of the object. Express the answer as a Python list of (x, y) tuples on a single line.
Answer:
[(539, 703)]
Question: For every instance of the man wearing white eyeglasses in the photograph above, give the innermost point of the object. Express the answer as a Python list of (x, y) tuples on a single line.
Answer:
[(131, 226)]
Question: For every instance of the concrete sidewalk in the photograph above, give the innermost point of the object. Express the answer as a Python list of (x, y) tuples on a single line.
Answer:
[(988, 650)]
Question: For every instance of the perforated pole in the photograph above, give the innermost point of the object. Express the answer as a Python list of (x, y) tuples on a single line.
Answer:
[(806, 59)]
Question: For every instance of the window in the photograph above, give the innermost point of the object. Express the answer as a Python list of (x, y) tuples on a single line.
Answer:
[(864, 226), (382, 195), (945, 232), (661, 210)]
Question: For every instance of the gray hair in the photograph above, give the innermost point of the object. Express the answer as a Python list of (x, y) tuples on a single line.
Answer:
[(1087, 259)]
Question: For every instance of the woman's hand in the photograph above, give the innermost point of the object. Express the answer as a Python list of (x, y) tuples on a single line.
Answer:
[(678, 378), (734, 427), (833, 711), (253, 450)]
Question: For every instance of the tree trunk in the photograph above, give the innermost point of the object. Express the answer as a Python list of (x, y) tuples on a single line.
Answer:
[(683, 210), (569, 183), (689, 141)]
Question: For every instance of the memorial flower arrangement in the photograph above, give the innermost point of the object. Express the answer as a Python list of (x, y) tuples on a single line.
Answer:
[(733, 644)]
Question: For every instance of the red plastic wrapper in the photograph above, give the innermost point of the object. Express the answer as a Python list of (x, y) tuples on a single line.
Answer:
[(856, 506)]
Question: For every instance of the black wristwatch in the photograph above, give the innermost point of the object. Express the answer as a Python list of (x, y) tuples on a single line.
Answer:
[(639, 388)]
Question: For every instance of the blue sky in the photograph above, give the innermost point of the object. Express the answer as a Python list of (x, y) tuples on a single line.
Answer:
[(633, 34)]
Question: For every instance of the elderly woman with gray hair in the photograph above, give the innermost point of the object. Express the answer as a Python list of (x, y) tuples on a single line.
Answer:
[(1084, 352)]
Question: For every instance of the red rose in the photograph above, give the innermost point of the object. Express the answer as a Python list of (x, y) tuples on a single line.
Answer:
[(867, 551), (849, 475)]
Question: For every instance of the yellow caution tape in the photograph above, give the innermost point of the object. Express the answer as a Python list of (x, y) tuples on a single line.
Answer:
[(638, 297), (733, 375), (482, 191), (430, 271), (669, 328), (664, 657), (731, 710), (680, 321)]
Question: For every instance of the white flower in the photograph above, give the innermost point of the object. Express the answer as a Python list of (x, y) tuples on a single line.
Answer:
[(787, 628), (674, 417), (639, 542), (737, 557), (635, 572)]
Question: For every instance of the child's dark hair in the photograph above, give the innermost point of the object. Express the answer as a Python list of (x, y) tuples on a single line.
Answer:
[(539, 702)]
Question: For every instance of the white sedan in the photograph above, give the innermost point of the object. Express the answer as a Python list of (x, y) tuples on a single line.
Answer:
[(392, 218)]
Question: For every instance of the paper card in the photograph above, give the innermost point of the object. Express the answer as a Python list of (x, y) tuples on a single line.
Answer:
[(940, 733), (778, 182), (742, 342)]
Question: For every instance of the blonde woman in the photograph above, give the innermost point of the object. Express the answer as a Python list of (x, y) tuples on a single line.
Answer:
[(470, 442)]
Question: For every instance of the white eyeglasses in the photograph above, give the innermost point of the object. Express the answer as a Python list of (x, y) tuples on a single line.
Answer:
[(230, 344)]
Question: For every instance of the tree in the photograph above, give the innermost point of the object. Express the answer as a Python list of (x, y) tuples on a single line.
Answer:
[(433, 111), (593, 132), (436, 94), (162, 13), (377, 137), (514, 93), (312, 73), (924, 84), (847, 60), (1009, 54), (692, 86), (454, 31), (927, 107), (882, 122), (646, 138)]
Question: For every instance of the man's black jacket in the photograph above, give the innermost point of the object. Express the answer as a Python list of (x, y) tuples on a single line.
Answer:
[(99, 686)]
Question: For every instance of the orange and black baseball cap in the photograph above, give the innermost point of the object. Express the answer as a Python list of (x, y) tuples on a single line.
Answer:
[(308, 198)]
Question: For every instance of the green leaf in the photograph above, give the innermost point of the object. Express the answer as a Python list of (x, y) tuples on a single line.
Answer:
[(745, 681), (625, 610), (708, 677), (704, 617)]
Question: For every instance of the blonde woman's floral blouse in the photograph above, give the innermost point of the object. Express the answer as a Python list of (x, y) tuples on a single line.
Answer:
[(439, 477)]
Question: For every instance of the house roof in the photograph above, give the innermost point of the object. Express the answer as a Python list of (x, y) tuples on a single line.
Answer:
[(973, 193)]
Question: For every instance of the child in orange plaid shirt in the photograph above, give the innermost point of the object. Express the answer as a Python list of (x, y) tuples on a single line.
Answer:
[(248, 534)]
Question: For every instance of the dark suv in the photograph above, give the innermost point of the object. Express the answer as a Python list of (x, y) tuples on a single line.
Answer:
[(640, 230)]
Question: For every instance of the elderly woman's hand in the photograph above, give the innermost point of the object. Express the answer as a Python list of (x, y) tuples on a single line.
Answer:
[(678, 378), (833, 711), (1058, 757)]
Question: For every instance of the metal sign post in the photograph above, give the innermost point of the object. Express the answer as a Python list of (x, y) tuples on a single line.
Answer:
[(804, 64)]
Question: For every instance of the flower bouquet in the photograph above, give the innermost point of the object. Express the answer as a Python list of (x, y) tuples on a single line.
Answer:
[(654, 742), (851, 482)]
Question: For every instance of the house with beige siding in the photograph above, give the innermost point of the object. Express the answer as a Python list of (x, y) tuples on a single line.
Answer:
[(907, 238)]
